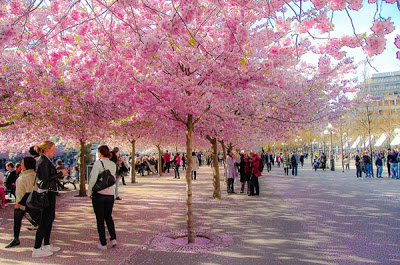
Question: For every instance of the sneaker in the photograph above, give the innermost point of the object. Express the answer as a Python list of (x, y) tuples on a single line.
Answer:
[(39, 253), (118, 198), (113, 243), (13, 243), (101, 247), (50, 248)]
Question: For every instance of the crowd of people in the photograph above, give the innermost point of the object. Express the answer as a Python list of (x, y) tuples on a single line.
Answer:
[(37, 172), (379, 158)]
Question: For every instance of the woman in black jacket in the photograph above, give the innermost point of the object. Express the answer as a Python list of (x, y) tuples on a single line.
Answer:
[(47, 182)]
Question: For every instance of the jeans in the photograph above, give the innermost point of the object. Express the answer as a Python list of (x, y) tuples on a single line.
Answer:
[(103, 206), (47, 217), (177, 171), (379, 170), (394, 168), (358, 171), (294, 169), (116, 186), (230, 185), (367, 170), (347, 166)]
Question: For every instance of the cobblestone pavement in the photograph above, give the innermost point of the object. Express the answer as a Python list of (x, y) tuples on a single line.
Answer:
[(314, 218)]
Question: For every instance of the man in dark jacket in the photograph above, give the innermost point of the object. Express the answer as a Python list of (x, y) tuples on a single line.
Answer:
[(11, 176), (367, 163)]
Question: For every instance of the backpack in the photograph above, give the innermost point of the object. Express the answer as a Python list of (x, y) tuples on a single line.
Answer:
[(293, 160)]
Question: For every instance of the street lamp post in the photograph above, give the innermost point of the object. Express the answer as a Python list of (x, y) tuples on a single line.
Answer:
[(332, 161)]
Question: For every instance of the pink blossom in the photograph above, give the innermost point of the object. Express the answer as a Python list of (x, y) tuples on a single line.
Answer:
[(398, 55), (381, 28), (7, 33), (397, 41), (337, 4), (75, 15), (355, 4), (319, 4), (390, 1), (374, 45), (324, 64)]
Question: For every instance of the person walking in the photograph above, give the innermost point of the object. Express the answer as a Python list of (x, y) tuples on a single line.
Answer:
[(195, 165), (103, 200), (286, 163), (388, 162), (47, 175), (230, 172), (392, 158), (347, 162), (24, 186), (255, 174), (358, 166), (116, 159), (367, 163), (278, 160), (167, 161), (379, 164), (177, 163), (323, 161), (294, 163), (268, 160), (183, 162)]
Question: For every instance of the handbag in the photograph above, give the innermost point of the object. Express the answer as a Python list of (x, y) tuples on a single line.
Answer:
[(37, 200), (104, 180)]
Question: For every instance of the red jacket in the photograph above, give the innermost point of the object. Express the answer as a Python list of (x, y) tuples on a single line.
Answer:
[(255, 165), (167, 157)]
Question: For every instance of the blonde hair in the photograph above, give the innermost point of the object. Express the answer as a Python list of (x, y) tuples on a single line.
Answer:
[(44, 146)]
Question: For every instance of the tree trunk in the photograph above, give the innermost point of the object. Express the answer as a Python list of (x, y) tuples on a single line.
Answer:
[(370, 141), (189, 210), (223, 150), (216, 177), (160, 166), (82, 169), (341, 146), (133, 172)]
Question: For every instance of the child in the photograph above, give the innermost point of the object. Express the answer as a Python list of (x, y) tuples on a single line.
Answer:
[(315, 164)]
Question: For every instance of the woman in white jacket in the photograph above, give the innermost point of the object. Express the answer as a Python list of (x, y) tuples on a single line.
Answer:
[(24, 186), (103, 200)]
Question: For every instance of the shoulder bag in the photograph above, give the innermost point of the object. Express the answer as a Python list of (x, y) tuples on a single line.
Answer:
[(104, 180), (37, 200)]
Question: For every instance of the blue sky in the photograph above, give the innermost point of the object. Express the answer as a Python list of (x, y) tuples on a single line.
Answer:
[(385, 62), (362, 21)]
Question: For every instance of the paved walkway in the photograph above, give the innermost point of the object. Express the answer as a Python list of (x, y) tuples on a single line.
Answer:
[(315, 218)]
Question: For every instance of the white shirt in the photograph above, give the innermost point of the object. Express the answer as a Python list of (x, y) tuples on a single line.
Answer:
[(97, 169)]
